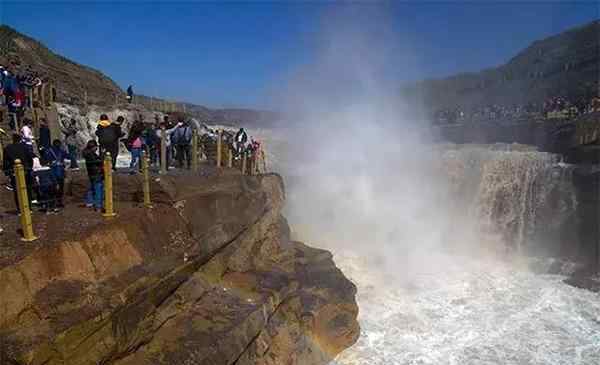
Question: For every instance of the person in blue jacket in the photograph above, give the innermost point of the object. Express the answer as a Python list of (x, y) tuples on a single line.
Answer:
[(55, 156)]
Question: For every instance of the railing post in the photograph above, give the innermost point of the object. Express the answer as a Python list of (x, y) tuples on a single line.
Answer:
[(23, 198), (43, 95), (250, 169), (30, 96), (244, 163), (146, 184), (163, 151), (219, 148), (108, 188), (195, 150), (229, 156), (263, 158), (255, 162)]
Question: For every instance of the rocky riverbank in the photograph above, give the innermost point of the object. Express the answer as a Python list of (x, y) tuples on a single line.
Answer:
[(208, 276)]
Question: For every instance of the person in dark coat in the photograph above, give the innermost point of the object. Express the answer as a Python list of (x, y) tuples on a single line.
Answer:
[(93, 164), (44, 139), (55, 157), (18, 151), (109, 135), (46, 187), (130, 94), (181, 139)]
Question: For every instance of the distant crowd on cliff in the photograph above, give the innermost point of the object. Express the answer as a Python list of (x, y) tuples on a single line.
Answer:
[(552, 108), (19, 91)]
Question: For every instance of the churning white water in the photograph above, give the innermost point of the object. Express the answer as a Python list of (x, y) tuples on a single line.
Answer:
[(466, 311), (398, 234)]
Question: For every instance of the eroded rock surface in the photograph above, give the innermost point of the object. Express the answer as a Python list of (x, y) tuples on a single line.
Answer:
[(208, 276)]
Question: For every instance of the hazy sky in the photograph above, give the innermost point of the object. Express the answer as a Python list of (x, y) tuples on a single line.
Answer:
[(239, 53)]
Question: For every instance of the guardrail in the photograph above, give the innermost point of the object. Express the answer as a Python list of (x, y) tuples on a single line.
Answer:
[(247, 162)]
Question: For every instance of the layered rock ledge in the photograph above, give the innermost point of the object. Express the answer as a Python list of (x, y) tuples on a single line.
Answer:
[(208, 276)]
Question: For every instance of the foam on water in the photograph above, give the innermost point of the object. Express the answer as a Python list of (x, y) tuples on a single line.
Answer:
[(471, 312)]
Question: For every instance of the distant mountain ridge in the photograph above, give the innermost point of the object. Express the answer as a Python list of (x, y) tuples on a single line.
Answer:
[(79, 85), (566, 64)]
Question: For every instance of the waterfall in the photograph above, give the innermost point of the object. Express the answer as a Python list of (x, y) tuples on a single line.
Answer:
[(514, 194)]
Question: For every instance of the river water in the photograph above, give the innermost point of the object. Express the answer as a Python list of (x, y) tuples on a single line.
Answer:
[(470, 311), (441, 304)]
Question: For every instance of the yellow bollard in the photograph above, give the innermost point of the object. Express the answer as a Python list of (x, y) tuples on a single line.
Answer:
[(244, 163), (230, 156), (146, 184), (26, 224), (255, 162), (108, 188), (195, 150), (250, 170), (163, 151), (264, 159), (219, 148)]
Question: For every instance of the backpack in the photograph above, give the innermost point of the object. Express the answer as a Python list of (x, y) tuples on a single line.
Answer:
[(107, 135), (57, 165), (180, 136)]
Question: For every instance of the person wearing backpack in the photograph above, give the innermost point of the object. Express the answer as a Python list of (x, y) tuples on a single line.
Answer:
[(108, 137), (93, 163), (55, 156), (181, 139), (45, 184)]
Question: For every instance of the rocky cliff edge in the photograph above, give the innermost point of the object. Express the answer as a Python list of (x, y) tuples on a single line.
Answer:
[(208, 276)]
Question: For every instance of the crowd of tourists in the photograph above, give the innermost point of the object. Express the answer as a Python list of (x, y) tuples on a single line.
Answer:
[(552, 108), (45, 160)]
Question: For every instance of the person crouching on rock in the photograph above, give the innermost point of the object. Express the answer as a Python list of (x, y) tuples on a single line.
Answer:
[(93, 164), (108, 136)]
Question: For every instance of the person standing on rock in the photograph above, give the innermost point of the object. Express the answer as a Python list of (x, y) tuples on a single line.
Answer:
[(27, 135), (44, 136), (135, 145), (168, 133), (55, 156), (70, 134), (46, 186), (108, 136), (130, 94), (182, 138), (240, 140), (18, 151), (93, 163)]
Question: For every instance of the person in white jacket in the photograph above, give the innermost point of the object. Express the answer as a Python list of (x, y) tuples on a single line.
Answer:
[(168, 133), (27, 134)]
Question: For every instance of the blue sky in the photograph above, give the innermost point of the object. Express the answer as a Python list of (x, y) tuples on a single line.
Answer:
[(224, 54)]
